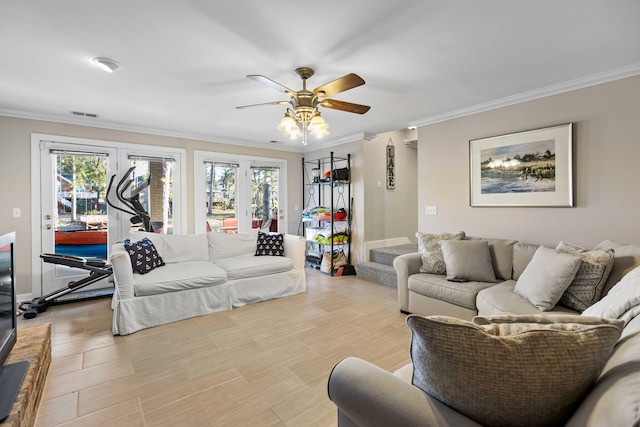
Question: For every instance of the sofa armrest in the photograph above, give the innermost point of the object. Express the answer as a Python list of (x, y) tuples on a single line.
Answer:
[(370, 396), (406, 265), (295, 248), (122, 271)]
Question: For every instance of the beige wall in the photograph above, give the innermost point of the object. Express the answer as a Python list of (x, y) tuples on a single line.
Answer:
[(15, 175), (606, 169), (390, 213)]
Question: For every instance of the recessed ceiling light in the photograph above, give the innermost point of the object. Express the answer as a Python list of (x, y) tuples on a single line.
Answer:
[(109, 65)]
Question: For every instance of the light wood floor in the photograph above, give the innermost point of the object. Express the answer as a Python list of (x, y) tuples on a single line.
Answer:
[(264, 364)]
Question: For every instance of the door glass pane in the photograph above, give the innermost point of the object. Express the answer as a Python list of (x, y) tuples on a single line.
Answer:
[(156, 198), (221, 203), (264, 197), (81, 214)]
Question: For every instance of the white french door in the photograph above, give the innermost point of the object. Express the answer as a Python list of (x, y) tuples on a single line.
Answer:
[(74, 219), (70, 214)]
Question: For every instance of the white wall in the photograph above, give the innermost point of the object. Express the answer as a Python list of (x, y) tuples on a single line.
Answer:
[(606, 169), (15, 175), (390, 213)]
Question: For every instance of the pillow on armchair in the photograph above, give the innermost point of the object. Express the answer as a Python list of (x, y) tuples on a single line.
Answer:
[(511, 370)]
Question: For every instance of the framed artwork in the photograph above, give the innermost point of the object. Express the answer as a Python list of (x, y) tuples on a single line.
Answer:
[(532, 168)]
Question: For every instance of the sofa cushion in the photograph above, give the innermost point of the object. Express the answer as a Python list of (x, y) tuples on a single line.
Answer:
[(627, 257), (269, 244), (241, 267), (522, 254), (500, 299), (509, 374), (467, 260), (437, 286), (177, 247), (546, 277), (144, 256), (586, 287), (179, 276), (429, 247), (223, 245), (501, 256), (623, 300)]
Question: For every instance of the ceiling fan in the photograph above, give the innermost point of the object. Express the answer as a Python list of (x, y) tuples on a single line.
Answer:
[(304, 103)]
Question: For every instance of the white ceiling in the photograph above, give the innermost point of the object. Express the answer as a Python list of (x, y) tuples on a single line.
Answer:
[(184, 62)]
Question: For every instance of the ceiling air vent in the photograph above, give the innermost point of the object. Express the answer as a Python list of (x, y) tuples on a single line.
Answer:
[(81, 114)]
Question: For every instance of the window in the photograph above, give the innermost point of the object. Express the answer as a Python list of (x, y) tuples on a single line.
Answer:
[(239, 193)]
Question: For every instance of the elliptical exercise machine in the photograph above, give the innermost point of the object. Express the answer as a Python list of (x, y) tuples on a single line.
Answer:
[(98, 268)]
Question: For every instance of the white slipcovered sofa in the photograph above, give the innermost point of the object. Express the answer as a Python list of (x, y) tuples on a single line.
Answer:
[(203, 273)]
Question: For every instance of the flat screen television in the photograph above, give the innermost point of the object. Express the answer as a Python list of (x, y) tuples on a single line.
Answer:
[(11, 375)]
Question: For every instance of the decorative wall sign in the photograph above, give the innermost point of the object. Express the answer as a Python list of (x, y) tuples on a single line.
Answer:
[(391, 166), (532, 168)]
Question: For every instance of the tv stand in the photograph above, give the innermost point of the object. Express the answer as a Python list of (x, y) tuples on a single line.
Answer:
[(34, 346), (11, 377)]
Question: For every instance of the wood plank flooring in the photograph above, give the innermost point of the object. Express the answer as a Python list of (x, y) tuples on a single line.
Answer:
[(264, 364)]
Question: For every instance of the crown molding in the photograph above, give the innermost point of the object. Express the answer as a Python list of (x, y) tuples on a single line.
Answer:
[(593, 80), (98, 123)]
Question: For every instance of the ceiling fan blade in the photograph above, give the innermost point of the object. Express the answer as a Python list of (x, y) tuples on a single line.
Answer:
[(339, 85), (263, 104), (266, 80), (345, 106)]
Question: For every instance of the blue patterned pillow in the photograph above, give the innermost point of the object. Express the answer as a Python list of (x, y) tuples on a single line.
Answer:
[(270, 244), (144, 256)]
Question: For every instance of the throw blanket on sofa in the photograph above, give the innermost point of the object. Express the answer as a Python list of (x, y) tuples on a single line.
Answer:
[(622, 302)]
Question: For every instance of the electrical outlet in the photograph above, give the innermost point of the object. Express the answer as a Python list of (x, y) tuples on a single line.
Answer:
[(431, 210)]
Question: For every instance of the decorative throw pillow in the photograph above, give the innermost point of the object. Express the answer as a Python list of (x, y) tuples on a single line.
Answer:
[(270, 244), (144, 256), (586, 288), (467, 260), (510, 374), (623, 300), (546, 277), (429, 247)]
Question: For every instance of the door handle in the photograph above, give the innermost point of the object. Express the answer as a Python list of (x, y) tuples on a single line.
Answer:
[(47, 217), (48, 226)]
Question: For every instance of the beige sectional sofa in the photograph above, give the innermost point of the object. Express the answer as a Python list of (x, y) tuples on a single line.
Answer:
[(366, 395), (202, 274)]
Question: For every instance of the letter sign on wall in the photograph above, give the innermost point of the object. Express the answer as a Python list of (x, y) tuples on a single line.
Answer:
[(391, 166)]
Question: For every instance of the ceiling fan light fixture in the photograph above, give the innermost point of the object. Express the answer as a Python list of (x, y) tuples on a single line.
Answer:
[(288, 123), (108, 65), (293, 133), (303, 118)]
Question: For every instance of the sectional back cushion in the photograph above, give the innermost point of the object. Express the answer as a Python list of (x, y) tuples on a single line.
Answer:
[(429, 247), (627, 257), (177, 247), (522, 255), (223, 245), (513, 371)]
